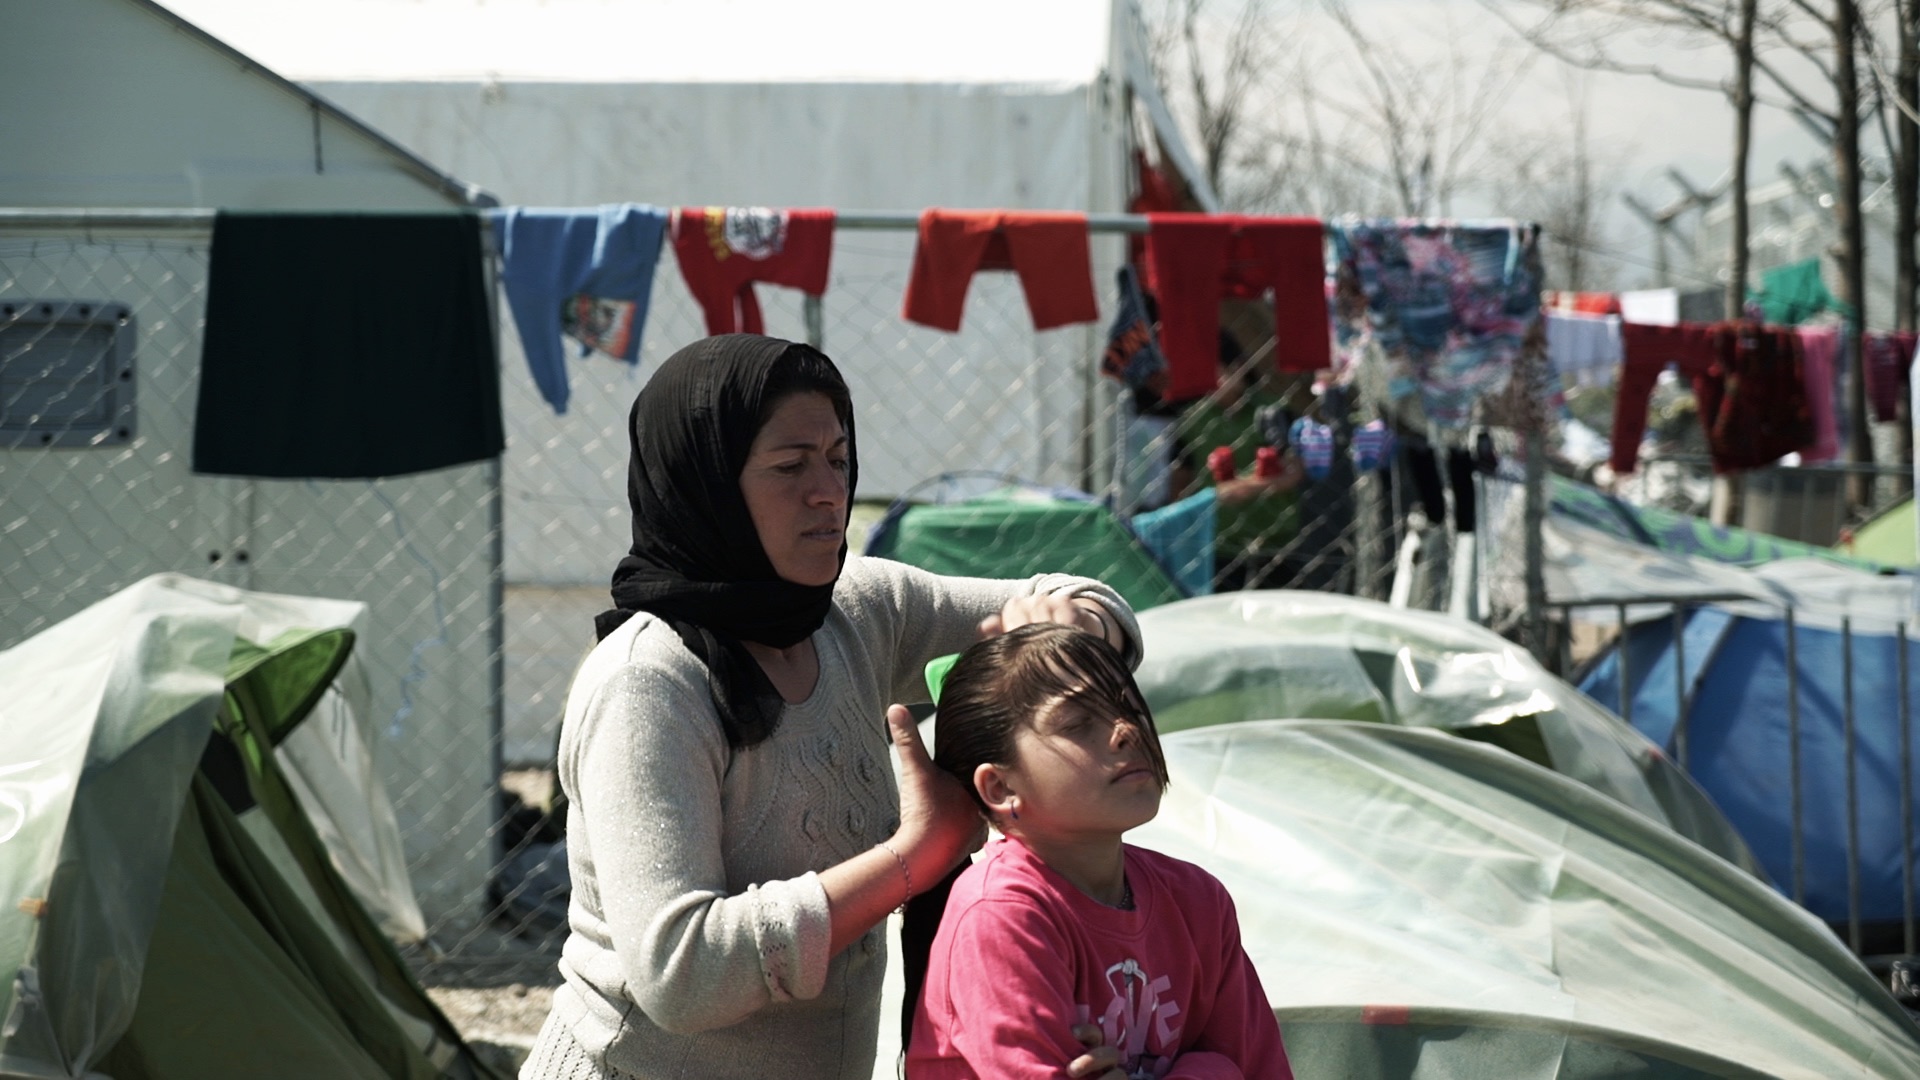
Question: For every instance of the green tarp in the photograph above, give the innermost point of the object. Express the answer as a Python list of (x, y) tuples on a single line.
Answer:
[(1016, 533), (1680, 533), (1889, 539)]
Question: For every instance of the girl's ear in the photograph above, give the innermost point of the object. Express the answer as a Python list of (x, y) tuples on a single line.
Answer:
[(991, 782)]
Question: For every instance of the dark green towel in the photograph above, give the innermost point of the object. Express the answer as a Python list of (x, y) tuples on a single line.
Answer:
[(346, 346)]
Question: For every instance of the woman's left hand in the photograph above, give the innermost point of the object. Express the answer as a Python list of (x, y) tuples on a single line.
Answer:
[(1022, 610)]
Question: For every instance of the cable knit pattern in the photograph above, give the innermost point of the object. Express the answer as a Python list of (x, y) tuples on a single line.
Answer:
[(699, 926)]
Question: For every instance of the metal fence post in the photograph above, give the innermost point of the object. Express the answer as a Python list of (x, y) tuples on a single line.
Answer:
[(1853, 791), (1793, 761)]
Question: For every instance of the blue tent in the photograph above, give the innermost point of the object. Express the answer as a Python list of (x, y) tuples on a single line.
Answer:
[(1738, 723)]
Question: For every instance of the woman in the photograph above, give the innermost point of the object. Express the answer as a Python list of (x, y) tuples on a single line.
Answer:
[(735, 835)]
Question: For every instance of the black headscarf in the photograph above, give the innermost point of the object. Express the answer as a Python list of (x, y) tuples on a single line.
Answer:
[(696, 560)]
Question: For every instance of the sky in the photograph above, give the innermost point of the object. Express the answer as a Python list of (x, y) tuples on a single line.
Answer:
[(1640, 127)]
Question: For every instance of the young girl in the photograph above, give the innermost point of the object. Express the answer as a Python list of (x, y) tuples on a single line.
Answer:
[(1059, 924)]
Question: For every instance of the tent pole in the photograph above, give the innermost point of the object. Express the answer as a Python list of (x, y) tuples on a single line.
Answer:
[(1626, 695), (1680, 684)]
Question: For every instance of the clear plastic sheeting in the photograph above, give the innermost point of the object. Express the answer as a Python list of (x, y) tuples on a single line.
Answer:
[(1423, 907), (1284, 655), (121, 696), (103, 718)]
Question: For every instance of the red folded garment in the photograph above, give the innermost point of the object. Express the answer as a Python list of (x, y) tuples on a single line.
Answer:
[(1047, 250), (723, 250), (1196, 260)]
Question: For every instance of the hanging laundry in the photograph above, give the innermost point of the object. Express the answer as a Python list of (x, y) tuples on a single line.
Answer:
[(1153, 195), (1748, 381), (1584, 348), (1888, 358), (1313, 441), (1194, 261), (1819, 349), (346, 346), (1133, 355), (1047, 250), (722, 251), (1650, 307), (1444, 309), (1792, 294), (1372, 446), (1460, 481), (585, 273)]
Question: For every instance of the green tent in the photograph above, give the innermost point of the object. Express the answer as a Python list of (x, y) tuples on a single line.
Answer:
[(171, 909), (1889, 539), (1015, 532), (1282, 655), (1421, 907)]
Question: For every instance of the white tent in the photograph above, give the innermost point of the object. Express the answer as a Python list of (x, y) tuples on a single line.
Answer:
[(122, 104)]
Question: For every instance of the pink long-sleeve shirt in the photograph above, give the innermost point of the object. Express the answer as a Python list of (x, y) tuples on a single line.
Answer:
[(1022, 956)]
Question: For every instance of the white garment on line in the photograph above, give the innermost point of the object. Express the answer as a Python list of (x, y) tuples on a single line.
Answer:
[(1652, 307), (1585, 348)]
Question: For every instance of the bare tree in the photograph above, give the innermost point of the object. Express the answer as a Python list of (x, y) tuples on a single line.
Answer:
[(1431, 120), (1579, 32), (1559, 179), (1220, 64)]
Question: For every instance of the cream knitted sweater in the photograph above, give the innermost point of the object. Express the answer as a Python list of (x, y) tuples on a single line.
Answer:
[(699, 925)]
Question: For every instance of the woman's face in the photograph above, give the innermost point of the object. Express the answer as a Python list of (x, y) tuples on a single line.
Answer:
[(795, 486)]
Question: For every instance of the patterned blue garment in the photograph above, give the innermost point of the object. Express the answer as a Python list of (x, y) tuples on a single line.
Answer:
[(1445, 306)]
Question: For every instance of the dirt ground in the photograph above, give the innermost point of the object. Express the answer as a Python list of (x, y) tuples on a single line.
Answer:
[(496, 988)]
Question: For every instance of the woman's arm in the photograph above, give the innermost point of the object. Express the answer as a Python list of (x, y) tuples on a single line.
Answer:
[(926, 615)]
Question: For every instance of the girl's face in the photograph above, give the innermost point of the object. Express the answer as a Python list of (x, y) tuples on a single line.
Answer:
[(795, 487), (1078, 772)]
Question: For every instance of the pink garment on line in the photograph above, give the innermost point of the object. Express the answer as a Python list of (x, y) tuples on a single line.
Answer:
[(1819, 346)]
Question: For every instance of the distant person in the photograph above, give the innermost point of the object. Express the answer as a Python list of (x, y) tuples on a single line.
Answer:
[(735, 835), (1060, 924), (1257, 519)]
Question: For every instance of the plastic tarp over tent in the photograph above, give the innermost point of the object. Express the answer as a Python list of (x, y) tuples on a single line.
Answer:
[(1737, 725), (1421, 907), (173, 909), (1014, 532), (1278, 655)]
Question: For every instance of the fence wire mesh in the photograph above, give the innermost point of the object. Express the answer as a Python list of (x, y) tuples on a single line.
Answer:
[(481, 581)]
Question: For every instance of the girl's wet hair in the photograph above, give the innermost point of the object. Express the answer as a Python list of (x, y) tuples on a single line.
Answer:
[(1014, 679)]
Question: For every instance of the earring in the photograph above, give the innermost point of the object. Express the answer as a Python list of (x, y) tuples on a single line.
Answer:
[(1013, 809)]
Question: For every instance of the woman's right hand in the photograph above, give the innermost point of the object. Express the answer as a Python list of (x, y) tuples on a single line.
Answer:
[(939, 823)]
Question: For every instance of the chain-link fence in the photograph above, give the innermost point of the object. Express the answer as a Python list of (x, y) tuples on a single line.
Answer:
[(482, 580)]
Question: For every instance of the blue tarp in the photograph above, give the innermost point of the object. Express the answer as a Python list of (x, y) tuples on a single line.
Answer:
[(1738, 742)]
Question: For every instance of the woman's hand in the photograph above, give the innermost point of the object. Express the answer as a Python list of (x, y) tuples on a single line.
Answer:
[(1100, 1061), (939, 822), (1022, 610)]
